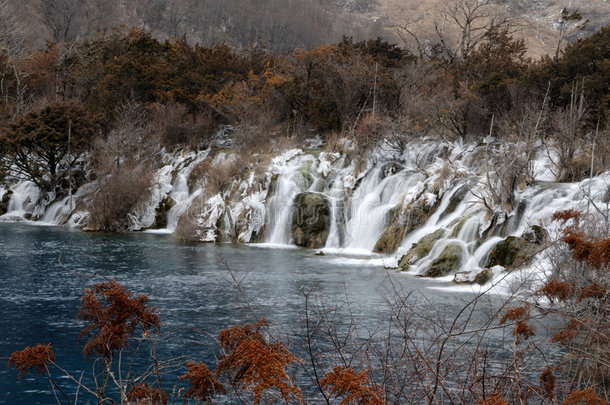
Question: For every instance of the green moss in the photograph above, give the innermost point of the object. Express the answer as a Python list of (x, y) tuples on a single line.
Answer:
[(535, 234), (420, 249), (394, 232), (161, 212), (6, 199), (273, 184), (512, 252), (310, 220), (449, 260)]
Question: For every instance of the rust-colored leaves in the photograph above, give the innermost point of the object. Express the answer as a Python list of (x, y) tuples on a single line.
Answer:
[(35, 358), (253, 363), (353, 386), (112, 315), (203, 384)]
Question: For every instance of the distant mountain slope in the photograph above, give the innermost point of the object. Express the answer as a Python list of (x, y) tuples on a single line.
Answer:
[(283, 24), (537, 19)]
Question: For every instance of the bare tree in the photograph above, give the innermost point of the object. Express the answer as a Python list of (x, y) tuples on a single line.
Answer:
[(463, 24), (570, 23)]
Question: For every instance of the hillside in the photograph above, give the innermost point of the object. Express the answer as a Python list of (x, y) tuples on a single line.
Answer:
[(284, 25)]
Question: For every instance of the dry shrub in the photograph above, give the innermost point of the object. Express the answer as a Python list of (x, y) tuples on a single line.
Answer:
[(118, 194), (175, 125), (36, 358), (556, 289), (112, 315), (584, 397), (515, 314), (252, 362), (494, 400), (580, 284), (144, 394), (353, 386), (547, 382), (371, 129), (203, 384)]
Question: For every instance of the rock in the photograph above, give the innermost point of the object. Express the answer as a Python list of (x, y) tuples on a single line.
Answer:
[(400, 224), (310, 220), (512, 252), (390, 168), (273, 185), (466, 277), (161, 213), (454, 201), (420, 249), (320, 253), (4, 202), (484, 276), (449, 260), (536, 234), (394, 232)]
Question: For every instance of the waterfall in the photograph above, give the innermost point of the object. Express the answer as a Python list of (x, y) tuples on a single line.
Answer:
[(431, 192), (292, 179)]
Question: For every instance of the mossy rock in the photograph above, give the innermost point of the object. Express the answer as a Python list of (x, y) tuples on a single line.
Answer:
[(4, 203), (161, 212), (310, 220), (272, 185), (393, 234), (390, 168), (536, 234), (482, 277), (416, 216), (455, 200), (448, 261), (512, 252), (420, 249)]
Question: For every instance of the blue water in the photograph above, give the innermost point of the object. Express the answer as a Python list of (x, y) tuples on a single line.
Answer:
[(188, 283)]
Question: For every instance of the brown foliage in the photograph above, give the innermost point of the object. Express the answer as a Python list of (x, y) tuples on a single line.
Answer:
[(556, 289), (353, 386), (515, 314), (118, 195), (204, 384), (494, 400), (112, 315), (566, 215), (35, 358), (584, 397), (144, 394), (253, 363), (593, 290), (547, 381), (594, 252), (524, 330)]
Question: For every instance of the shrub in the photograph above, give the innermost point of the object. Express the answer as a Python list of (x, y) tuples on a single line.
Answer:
[(116, 197)]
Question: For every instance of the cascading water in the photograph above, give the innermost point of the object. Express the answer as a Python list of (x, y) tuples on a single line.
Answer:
[(417, 195)]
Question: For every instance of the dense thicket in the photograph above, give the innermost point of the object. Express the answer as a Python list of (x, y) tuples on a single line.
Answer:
[(371, 91)]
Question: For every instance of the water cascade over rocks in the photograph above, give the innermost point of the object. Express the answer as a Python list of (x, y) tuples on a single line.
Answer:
[(427, 210)]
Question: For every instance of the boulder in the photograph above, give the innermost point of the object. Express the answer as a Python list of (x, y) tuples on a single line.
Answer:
[(466, 277), (448, 261), (4, 202), (420, 249), (394, 231), (310, 220), (161, 212), (455, 200), (390, 168), (535, 234), (512, 252)]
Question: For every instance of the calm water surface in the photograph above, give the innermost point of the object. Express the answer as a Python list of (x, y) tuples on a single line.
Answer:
[(189, 283)]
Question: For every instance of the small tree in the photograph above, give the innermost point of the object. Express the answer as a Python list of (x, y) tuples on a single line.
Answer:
[(45, 145)]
